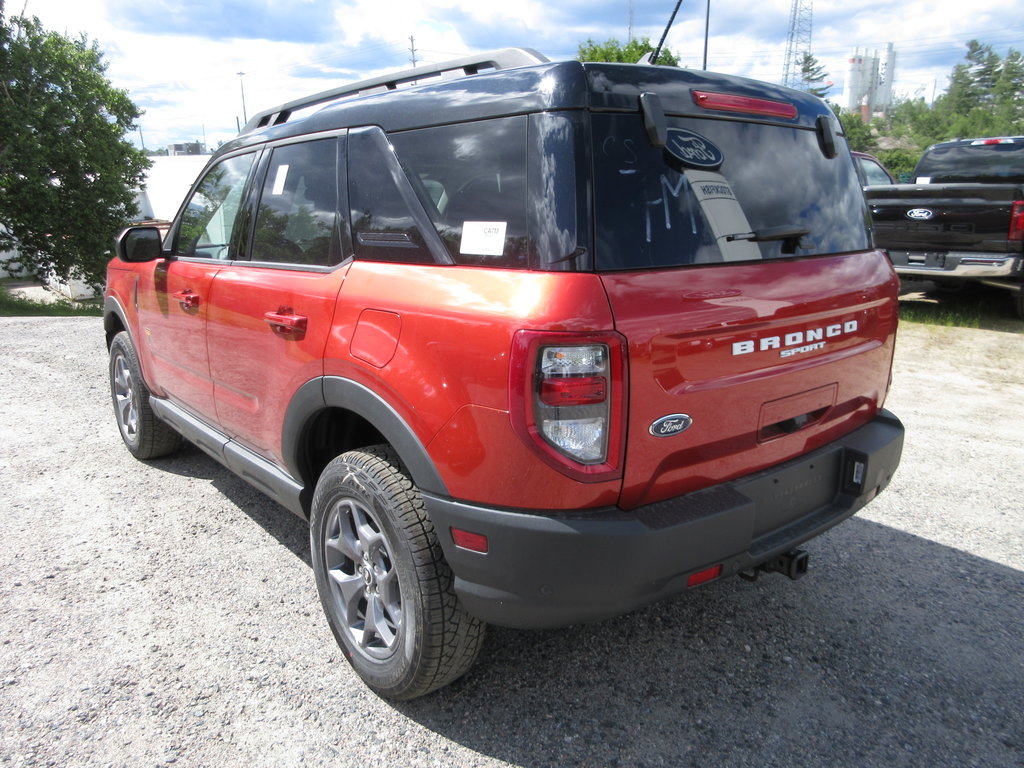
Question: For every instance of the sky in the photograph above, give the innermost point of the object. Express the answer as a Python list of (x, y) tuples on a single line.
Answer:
[(180, 60)]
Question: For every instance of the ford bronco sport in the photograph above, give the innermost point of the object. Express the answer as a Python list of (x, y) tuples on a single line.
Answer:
[(535, 344)]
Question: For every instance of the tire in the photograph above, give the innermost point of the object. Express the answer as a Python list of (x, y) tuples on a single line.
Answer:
[(145, 436), (383, 581)]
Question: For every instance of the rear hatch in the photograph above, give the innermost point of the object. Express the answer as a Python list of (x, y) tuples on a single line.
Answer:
[(737, 260)]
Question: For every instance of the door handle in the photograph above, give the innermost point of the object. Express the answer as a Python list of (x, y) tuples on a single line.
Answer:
[(187, 299), (284, 323)]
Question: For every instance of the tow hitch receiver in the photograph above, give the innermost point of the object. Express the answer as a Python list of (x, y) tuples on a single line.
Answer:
[(792, 564)]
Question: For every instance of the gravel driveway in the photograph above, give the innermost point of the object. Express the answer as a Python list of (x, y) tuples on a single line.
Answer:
[(165, 613)]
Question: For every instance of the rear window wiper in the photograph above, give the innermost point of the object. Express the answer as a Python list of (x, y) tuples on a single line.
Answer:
[(788, 233)]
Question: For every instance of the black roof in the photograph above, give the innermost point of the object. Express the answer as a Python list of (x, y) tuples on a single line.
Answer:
[(569, 85)]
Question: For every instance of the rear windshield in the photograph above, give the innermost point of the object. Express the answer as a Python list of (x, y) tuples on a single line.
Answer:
[(992, 163), (753, 191)]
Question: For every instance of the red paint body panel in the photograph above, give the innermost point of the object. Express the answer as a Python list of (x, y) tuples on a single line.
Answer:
[(449, 376), (255, 368), (682, 326), (175, 356)]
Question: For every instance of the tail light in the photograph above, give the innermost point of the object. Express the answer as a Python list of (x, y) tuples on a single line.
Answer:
[(567, 400), (1017, 221)]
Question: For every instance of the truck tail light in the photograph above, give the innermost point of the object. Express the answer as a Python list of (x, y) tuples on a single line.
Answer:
[(567, 400), (1017, 221)]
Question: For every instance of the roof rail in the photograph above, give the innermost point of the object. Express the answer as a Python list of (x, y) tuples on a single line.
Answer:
[(506, 58)]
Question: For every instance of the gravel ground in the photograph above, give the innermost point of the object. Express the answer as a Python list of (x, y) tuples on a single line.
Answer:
[(165, 614)]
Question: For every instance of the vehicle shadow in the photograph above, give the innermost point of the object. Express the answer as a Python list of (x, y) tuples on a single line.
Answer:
[(895, 650), (291, 531)]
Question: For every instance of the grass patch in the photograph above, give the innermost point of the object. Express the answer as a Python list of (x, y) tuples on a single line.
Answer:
[(975, 306), (12, 305)]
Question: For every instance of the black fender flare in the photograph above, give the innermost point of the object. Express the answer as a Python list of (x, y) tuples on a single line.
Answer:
[(339, 392), (112, 308)]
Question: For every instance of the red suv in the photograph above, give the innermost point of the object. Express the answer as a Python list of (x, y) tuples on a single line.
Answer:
[(535, 345)]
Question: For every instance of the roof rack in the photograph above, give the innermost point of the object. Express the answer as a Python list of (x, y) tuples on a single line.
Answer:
[(506, 58)]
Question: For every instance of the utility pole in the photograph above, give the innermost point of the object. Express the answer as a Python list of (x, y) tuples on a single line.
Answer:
[(798, 43), (241, 84), (707, 23), (412, 49)]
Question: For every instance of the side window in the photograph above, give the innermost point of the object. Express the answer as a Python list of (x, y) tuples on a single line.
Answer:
[(471, 178), (383, 225), (874, 174), (210, 214), (295, 222)]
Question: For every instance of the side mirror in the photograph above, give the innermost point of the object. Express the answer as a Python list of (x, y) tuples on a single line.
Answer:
[(140, 244)]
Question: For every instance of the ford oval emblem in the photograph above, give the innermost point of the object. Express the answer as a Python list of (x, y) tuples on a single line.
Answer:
[(667, 426), (692, 149), (919, 214)]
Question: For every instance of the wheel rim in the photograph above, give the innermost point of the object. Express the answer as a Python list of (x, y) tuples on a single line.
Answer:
[(363, 579), (126, 405)]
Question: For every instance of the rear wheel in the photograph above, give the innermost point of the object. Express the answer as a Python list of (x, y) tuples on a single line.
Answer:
[(145, 436), (383, 581)]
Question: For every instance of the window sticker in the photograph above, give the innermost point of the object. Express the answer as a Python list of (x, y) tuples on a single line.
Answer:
[(279, 180), (483, 238)]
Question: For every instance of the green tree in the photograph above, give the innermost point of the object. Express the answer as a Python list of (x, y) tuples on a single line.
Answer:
[(813, 76), (858, 133), (899, 162), (630, 53), (67, 174)]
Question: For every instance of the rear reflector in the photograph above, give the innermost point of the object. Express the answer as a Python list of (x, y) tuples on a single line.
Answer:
[(475, 542), (728, 102), (702, 577)]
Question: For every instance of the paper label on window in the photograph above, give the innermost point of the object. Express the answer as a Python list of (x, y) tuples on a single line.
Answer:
[(279, 180), (483, 238)]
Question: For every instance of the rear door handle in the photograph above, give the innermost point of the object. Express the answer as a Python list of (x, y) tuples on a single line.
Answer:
[(284, 323), (187, 299)]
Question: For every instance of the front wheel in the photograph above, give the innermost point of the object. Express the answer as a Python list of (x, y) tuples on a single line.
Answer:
[(145, 436), (383, 581)]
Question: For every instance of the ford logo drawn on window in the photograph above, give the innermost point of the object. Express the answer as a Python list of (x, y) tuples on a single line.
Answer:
[(919, 214), (670, 425), (692, 149)]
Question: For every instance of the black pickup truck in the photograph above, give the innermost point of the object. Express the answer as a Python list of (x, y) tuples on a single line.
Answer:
[(963, 219)]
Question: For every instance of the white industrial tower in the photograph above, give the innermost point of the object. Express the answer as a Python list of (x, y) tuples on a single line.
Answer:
[(869, 82)]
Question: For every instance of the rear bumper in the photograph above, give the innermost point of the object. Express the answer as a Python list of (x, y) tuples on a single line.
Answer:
[(954, 264), (543, 570)]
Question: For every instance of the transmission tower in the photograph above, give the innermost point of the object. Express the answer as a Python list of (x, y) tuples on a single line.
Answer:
[(798, 43)]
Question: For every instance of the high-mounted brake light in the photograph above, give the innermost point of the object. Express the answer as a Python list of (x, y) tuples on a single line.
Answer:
[(989, 142), (1017, 221), (729, 102)]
